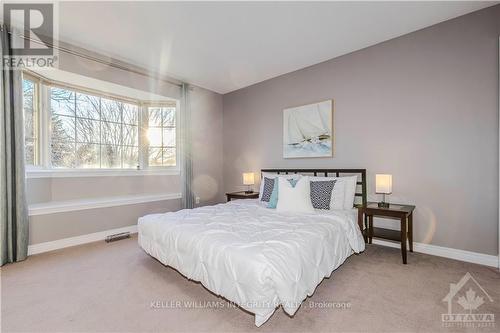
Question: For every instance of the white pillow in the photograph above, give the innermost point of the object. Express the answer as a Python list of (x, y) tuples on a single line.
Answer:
[(294, 199), (338, 193), (350, 191), (272, 176)]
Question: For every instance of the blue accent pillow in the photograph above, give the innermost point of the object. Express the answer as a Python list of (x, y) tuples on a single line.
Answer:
[(273, 200)]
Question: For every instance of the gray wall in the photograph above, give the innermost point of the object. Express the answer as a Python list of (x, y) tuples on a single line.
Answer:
[(206, 108), (422, 107), (45, 228), (206, 121), (42, 190)]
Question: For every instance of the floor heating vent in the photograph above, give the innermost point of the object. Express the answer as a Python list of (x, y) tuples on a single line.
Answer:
[(117, 237)]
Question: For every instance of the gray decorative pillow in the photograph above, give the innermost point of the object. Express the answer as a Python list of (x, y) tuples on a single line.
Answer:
[(267, 189), (321, 193)]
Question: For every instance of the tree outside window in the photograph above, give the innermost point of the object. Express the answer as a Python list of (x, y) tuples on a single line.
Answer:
[(92, 131)]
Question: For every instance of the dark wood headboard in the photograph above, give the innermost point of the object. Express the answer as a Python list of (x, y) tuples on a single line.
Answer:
[(361, 173)]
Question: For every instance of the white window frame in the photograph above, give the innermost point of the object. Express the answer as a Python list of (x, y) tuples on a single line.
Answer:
[(43, 168)]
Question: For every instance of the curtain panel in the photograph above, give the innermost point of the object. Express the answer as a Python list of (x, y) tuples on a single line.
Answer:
[(186, 150), (13, 208)]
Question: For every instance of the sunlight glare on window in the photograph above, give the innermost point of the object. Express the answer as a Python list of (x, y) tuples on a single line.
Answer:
[(161, 136), (154, 136)]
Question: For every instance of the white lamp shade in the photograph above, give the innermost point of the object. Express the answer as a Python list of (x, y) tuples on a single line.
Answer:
[(383, 183), (248, 178)]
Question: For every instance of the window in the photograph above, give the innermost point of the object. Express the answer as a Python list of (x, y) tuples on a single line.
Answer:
[(30, 109), (161, 136), (90, 130), (93, 132)]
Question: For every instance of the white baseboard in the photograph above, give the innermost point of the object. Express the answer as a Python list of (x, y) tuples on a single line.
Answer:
[(78, 240), (467, 256)]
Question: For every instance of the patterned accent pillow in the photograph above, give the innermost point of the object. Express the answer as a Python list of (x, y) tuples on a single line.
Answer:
[(321, 193), (267, 189)]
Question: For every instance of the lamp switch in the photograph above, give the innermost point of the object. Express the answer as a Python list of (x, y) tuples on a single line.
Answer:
[(197, 200)]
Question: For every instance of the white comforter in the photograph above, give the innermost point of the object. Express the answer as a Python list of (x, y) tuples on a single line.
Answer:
[(252, 255)]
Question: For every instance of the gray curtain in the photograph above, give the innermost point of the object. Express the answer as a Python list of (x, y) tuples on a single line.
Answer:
[(13, 209), (186, 149)]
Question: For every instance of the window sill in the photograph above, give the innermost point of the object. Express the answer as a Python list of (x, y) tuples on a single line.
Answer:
[(68, 173)]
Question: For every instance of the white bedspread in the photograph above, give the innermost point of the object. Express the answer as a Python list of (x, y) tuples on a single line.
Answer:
[(252, 255)]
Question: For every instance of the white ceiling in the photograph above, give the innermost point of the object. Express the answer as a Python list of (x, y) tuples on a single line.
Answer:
[(225, 46)]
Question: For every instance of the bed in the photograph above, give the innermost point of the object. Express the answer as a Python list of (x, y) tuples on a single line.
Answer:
[(252, 255)]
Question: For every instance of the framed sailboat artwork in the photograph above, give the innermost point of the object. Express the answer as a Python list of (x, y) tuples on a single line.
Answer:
[(308, 130)]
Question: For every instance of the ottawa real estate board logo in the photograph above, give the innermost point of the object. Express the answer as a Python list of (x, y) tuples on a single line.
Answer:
[(465, 300), (32, 35)]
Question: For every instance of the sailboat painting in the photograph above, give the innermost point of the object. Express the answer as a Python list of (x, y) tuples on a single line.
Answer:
[(308, 130)]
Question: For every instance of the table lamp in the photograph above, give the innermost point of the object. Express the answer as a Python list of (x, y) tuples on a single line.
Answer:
[(248, 179), (383, 185)]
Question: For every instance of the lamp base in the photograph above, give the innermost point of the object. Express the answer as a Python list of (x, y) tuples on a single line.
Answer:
[(249, 190), (383, 204)]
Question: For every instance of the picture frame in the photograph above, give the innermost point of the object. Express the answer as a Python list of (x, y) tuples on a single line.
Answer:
[(308, 130)]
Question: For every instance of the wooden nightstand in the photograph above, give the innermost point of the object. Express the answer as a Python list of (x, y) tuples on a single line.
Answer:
[(242, 195), (402, 212)]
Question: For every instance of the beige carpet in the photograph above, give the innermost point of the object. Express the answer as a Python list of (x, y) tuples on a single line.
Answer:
[(110, 287)]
